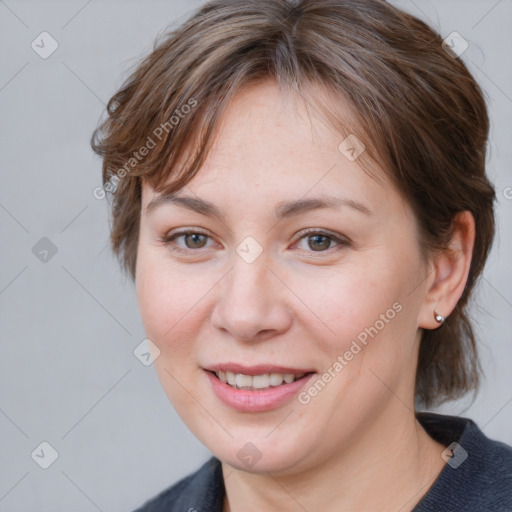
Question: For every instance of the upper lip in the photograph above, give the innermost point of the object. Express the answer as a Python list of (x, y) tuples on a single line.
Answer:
[(260, 369)]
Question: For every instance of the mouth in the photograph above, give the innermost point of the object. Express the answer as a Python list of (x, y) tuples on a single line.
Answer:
[(256, 388), (259, 382)]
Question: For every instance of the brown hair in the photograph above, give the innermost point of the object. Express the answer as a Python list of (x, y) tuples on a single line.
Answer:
[(417, 108)]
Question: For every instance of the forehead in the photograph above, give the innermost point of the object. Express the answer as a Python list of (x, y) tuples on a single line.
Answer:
[(276, 145), (265, 127)]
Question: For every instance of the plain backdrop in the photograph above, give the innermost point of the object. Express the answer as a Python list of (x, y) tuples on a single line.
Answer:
[(69, 320)]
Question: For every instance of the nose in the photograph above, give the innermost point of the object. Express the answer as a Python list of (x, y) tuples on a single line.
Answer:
[(251, 302)]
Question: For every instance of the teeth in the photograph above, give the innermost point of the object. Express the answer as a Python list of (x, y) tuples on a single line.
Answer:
[(261, 381), (264, 381), (276, 379), (243, 380)]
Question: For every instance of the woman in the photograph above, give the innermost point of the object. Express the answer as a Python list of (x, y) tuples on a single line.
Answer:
[(299, 193)]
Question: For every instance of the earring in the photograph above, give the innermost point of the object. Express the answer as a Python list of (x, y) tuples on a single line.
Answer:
[(439, 318)]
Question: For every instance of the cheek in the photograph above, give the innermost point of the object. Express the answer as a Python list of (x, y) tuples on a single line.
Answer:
[(364, 313), (172, 308), (162, 299), (166, 306), (340, 305)]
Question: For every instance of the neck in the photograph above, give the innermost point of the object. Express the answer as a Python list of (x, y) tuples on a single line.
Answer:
[(389, 466)]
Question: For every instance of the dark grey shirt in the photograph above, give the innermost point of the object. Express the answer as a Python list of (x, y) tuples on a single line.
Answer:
[(477, 477)]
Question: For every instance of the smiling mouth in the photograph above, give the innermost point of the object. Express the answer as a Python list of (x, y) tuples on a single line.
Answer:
[(257, 382)]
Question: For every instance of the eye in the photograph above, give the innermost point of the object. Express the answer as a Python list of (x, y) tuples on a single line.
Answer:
[(321, 241), (317, 241), (193, 240)]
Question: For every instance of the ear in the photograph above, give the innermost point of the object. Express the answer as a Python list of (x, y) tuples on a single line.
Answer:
[(449, 272)]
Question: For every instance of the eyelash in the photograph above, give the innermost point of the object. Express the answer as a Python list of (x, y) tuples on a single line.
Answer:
[(168, 239)]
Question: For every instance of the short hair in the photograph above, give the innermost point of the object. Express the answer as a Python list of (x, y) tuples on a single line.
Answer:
[(415, 105)]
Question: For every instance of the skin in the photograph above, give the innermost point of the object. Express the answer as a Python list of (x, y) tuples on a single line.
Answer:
[(356, 445)]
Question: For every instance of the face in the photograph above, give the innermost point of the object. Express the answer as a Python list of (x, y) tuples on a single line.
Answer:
[(271, 291)]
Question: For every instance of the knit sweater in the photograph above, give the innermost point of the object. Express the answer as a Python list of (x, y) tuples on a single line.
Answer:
[(476, 478)]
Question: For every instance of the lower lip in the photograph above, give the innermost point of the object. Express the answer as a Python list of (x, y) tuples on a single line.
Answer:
[(257, 400)]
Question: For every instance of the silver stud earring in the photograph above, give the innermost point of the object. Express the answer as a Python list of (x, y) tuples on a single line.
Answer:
[(439, 318)]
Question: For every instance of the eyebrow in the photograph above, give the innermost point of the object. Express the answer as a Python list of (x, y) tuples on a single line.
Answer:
[(282, 209)]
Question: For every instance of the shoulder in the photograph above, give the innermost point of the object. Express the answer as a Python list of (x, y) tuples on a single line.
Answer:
[(201, 490), (478, 472)]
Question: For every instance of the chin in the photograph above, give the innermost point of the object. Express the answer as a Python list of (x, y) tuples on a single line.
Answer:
[(271, 455)]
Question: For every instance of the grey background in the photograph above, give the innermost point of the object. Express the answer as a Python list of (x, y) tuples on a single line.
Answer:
[(68, 375)]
